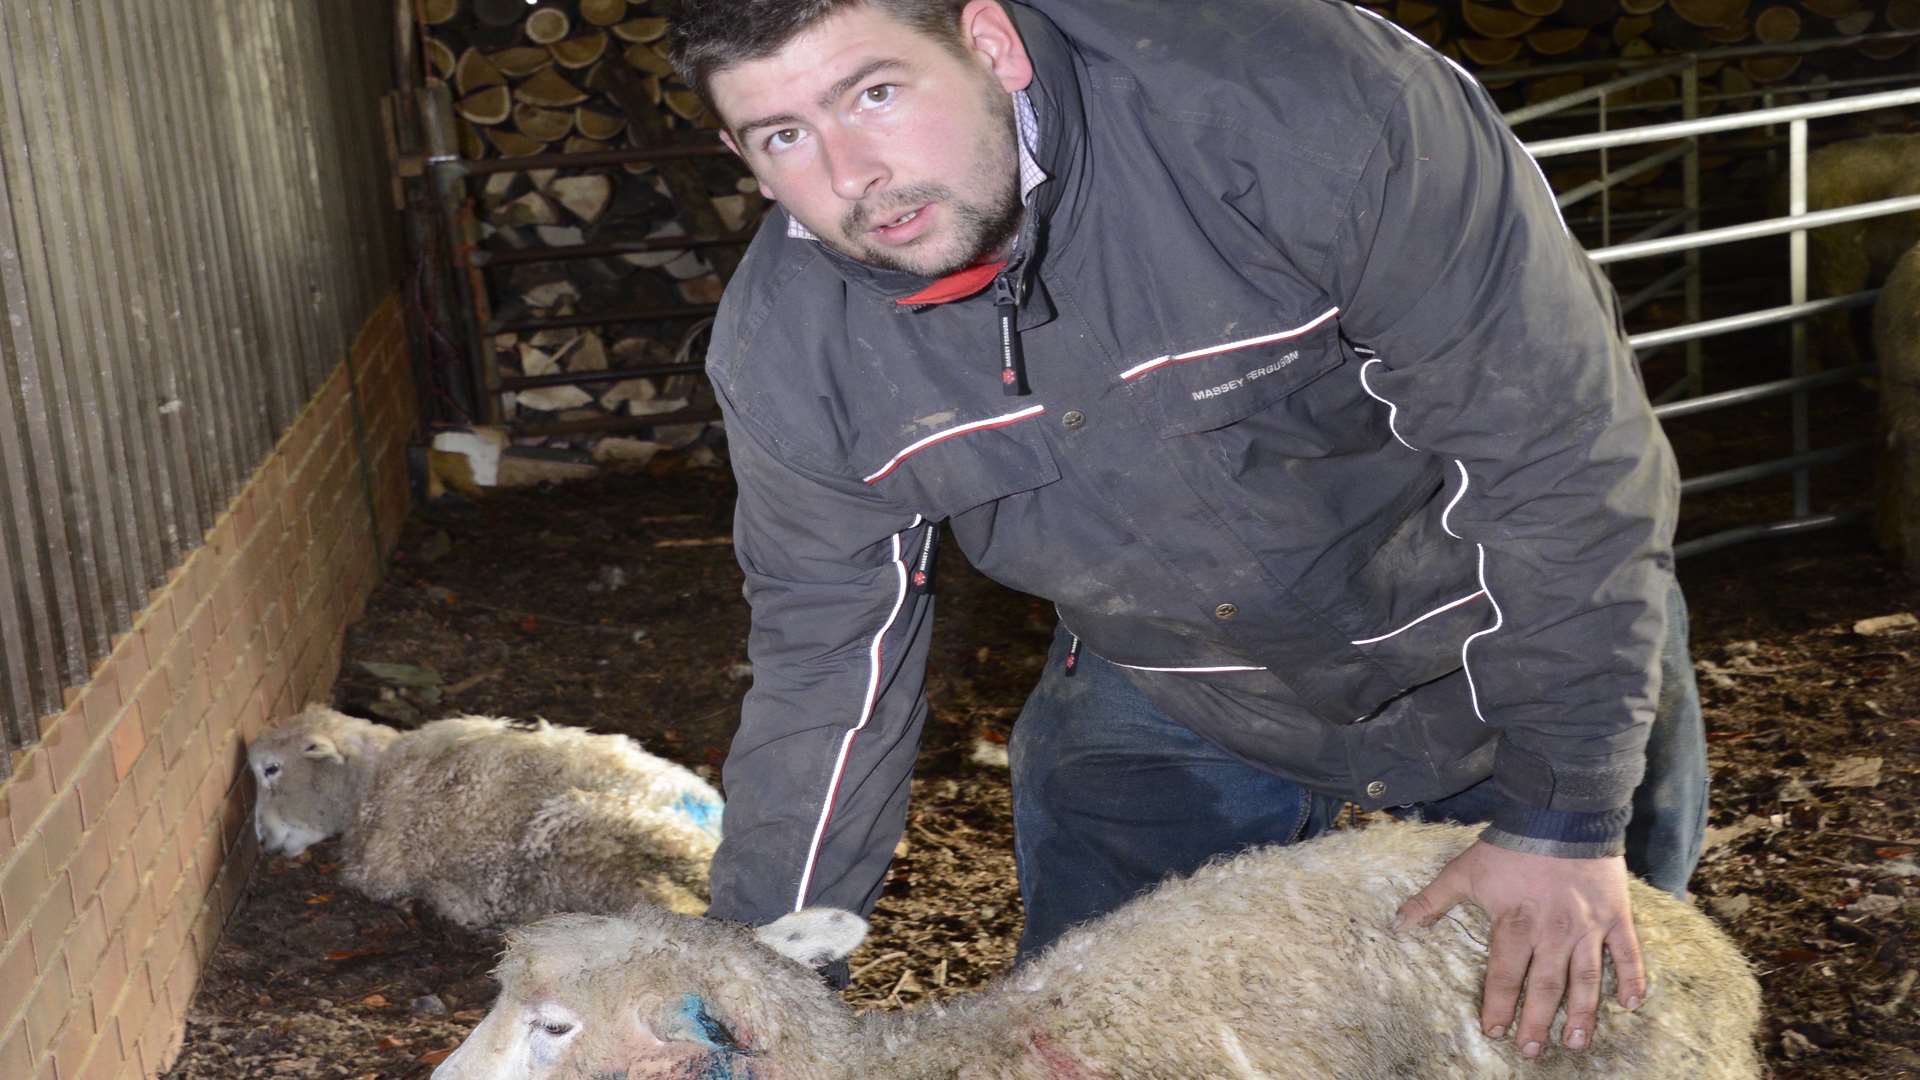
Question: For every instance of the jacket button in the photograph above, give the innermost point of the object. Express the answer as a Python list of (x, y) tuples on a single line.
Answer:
[(1225, 611), (1074, 419), (1376, 789)]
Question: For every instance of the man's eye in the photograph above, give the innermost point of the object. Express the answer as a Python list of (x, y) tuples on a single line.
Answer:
[(879, 95), (784, 138)]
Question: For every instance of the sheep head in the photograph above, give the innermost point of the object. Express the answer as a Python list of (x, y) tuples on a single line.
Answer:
[(310, 772), (660, 995)]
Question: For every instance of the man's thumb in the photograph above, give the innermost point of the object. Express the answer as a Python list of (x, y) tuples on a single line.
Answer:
[(1425, 907)]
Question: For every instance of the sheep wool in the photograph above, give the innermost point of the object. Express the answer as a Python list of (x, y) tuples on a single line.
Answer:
[(1278, 963), (492, 822)]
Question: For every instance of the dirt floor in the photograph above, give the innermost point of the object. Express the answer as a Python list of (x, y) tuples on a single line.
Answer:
[(615, 604)]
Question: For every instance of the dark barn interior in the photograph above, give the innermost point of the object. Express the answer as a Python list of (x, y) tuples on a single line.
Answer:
[(389, 396)]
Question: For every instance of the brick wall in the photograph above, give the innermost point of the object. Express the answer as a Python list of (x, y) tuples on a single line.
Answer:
[(124, 833)]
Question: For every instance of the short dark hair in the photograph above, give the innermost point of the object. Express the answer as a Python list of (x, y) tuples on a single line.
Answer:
[(712, 35)]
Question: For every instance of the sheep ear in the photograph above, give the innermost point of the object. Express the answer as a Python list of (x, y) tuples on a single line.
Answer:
[(815, 936), (321, 748)]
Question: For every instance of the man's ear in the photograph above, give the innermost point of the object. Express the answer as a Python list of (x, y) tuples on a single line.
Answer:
[(727, 138), (988, 30)]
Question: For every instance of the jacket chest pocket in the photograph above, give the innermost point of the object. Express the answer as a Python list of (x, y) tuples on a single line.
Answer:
[(1211, 386), (968, 464)]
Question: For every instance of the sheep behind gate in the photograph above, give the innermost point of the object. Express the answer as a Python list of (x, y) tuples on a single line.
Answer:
[(1279, 963)]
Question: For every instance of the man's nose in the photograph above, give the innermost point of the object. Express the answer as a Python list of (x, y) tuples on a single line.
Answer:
[(855, 169)]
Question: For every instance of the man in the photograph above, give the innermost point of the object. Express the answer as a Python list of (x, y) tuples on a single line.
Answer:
[(1245, 332)]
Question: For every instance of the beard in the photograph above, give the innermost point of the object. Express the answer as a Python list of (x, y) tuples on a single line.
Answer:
[(978, 225)]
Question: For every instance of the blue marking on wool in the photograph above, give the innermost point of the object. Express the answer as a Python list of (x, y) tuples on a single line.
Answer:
[(704, 813), (721, 1062)]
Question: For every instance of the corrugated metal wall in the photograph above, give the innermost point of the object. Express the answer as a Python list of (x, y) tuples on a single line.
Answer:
[(193, 225)]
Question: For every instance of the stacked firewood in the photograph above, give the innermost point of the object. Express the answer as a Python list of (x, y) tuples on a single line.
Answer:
[(1506, 34), (558, 77)]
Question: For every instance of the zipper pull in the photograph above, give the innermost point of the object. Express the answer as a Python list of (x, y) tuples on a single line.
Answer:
[(1013, 363), (1073, 656), (921, 577)]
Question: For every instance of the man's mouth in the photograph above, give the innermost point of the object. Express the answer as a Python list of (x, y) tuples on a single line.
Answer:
[(902, 224)]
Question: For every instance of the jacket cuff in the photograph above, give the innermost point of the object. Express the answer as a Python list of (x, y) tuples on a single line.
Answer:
[(1566, 834)]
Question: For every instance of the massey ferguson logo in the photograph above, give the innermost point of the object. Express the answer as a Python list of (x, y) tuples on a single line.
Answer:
[(1231, 385)]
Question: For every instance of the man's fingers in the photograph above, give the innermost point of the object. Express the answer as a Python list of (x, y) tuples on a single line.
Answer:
[(1425, 907), (1546, 985), (1508, 954), (1583, 994), (1629, 971)]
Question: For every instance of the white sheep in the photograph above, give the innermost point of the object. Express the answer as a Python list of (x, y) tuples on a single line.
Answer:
[(1279, 963), (492, 822)]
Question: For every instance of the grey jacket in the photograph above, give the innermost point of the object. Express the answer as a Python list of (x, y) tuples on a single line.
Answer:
[(1333, 439)]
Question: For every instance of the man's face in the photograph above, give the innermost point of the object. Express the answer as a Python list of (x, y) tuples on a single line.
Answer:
[(894, 148)]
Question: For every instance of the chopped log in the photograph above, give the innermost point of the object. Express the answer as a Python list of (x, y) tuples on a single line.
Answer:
[(1431, 33), (1776, 24), (542, 177), (733, 210), (549, 89), (521, 60), (580, 144), (547, 25), (547, 125), (603, 12), (513, 143), (558, 293), (1414, 12), (586, 197), (1833, 9), (686, 105), (578, 52), (1630, 28), (475, 72), (1884, 50), (472, 146), (1495, 22), (1556, 40), (589, 355), (1553, 86), (1708, 14), (705, 289), (1903, 15), (554, 398), (1766, 69), (598, 125), (537, 361), (1537, 8), (1490, 52), (649, 28), (1641, 7), (499, 12), (435, 12), (532, 208), (489, 106), (649, 59), (1735, 32), (1856, 23), (440, 58)]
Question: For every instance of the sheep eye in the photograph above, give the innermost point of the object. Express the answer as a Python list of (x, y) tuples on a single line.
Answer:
[(270, 771), (556, 1028)]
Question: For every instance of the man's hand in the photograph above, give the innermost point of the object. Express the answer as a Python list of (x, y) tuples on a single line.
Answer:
[(1551, 916)]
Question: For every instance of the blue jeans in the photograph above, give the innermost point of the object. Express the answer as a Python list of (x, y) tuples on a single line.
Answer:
[(1110, 795)]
